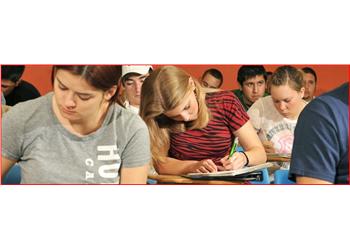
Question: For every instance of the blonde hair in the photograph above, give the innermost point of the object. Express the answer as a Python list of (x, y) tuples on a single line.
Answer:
[(164, 90)]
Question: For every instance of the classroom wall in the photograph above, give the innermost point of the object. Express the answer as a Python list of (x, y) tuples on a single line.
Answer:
[(329, 76)]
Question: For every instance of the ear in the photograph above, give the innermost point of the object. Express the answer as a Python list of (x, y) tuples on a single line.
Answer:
[(110, 93), (191, 81), (302, 92)]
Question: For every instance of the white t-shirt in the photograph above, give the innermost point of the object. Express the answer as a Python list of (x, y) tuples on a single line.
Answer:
[(271, 125), (131, 108)]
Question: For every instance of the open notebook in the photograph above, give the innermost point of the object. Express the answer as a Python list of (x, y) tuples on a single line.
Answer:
[(223, 174)]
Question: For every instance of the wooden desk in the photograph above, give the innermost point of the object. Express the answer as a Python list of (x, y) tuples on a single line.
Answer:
[(276, 158), (175, 179)]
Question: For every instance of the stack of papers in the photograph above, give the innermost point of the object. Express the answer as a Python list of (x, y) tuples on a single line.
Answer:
[(247, 171)]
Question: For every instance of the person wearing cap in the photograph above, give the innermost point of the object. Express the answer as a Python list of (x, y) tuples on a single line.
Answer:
[(132, 79)]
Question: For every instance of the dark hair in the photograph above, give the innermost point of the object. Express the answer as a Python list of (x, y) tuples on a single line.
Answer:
[(101, 77), (310, 71), (12, 72), (287, 75), (216, 73), (246, 72)]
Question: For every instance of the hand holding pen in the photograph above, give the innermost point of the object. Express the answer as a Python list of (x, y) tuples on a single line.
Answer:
[(234, 160)]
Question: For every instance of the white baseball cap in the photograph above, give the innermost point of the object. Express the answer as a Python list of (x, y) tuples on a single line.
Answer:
[(139, 69)]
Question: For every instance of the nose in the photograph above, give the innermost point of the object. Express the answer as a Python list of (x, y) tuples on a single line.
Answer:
[(255, 88), (282, 106), (69, 101), (185, 116), (138, 86)]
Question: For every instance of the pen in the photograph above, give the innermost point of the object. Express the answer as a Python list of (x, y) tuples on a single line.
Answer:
[(233, 149)]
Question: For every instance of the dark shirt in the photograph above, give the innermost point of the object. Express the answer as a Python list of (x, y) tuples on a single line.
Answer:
[(321, 138), (23, 92)]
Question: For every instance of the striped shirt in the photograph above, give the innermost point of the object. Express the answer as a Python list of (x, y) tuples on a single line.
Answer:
[(215, 140)]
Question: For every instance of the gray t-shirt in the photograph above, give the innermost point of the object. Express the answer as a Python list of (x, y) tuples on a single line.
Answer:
[(49, 153)]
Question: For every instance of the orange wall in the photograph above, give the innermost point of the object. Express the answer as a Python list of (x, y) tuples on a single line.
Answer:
[(329, 76)]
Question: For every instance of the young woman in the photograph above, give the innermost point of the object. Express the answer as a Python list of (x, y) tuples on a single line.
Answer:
[(274, 117), (77, 134), (191, 128)]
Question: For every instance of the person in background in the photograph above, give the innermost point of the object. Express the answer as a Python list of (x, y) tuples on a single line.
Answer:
[(252, 81), (132, 79), (192, 130), (321, 145), (76, 134), (275, 117), (14, 88), (212, 78), (310, 81)]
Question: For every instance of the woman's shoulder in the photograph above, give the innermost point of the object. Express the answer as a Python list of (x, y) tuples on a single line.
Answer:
[(223, 95), (31, 108), (127, 118)]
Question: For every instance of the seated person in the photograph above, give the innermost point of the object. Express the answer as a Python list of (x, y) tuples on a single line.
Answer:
[(76, 134), (192, 130), (16, 90), (252, 81), (275, 117), (132, 79), (212, 78), (321, 145), (310, 81)]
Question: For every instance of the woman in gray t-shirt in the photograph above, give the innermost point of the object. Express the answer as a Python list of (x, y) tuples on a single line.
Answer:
[(77, 134)]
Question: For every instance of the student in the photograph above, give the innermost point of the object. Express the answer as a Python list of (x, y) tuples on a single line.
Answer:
[(16, 90), (77, 134), (252, 81), (191, 130), (274, 117), (212, 78), (321, 145), (310, 81), (132, 79)]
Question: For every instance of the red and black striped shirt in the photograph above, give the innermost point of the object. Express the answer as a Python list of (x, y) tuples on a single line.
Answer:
[(215, 140)]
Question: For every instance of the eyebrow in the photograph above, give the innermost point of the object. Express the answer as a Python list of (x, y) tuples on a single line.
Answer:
[(79, 93)]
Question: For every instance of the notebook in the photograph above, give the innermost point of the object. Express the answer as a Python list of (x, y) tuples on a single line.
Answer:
[(252, 170)]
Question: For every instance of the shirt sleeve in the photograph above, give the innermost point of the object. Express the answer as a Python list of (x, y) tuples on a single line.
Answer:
[(316, 156), (12, 134), (235, 114), (255, 113), (137, 151)]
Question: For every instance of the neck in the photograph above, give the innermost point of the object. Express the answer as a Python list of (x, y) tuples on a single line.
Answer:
[(82, 127), (246, 101), (300, 108)]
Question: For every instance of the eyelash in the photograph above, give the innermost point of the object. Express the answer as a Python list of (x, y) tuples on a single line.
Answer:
[(80, 97)]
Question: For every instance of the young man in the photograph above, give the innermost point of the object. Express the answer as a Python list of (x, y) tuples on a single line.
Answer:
[(16, 90), (310, 80), (252, 81), (132, 79), (321, 140), (212, 78)]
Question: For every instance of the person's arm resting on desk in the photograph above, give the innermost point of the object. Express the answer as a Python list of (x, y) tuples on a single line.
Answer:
[(134, 175)]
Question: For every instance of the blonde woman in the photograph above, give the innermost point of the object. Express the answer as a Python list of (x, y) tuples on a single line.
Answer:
[(192, 128), (275, 117)]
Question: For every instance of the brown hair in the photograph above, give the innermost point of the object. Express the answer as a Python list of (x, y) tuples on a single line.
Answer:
[(101, 77), (162, 91), (287, 75)]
